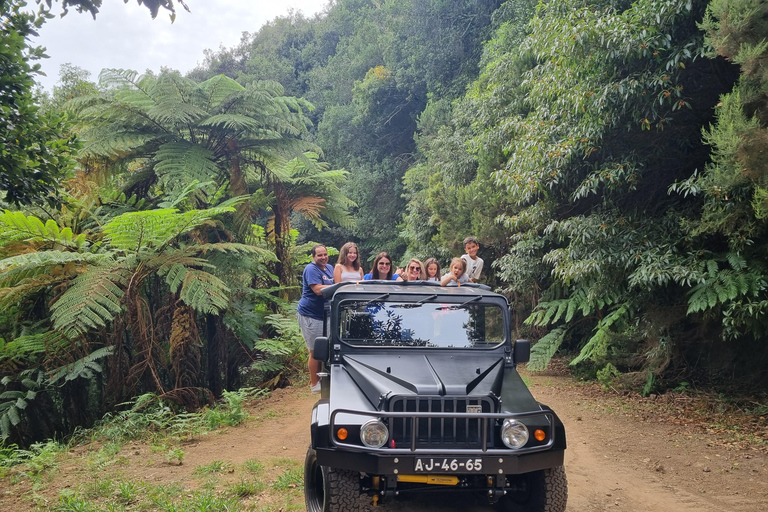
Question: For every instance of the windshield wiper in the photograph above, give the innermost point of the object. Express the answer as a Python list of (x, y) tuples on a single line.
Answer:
[(422, 301), (460, 306), (376, 299)]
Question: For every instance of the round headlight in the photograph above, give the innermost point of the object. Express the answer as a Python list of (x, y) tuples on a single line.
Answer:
[(514, 434), (374, 434)]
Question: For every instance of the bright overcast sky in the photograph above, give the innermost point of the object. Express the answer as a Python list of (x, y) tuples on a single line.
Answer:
[(125, 35)]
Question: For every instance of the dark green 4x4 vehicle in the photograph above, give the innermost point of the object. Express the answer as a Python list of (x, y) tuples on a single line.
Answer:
[(421, 394)]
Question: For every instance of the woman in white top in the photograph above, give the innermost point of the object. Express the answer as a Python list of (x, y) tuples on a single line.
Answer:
[(348, 267)]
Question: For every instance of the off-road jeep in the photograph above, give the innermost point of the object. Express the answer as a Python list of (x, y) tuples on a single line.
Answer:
[(421, 394)]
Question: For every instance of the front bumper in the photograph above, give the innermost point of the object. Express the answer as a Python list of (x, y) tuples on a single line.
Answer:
[(378, 464)]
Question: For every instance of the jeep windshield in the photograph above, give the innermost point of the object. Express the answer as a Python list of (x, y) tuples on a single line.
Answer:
[(382, 323)]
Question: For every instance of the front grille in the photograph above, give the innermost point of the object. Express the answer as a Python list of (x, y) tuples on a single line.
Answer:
[(441, 432)]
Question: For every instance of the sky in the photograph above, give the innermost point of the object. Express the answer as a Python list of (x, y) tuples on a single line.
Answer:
[(125, 36)]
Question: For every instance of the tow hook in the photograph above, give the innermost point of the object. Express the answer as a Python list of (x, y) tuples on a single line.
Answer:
[(497, 491)]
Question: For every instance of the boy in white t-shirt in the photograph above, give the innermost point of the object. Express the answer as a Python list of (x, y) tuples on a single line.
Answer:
[(474, 263)]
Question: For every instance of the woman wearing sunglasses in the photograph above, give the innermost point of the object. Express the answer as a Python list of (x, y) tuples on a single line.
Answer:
[(382, 268), (414, 271)]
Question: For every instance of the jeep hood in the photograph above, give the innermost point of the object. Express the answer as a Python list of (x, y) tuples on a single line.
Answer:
[(458, 374)]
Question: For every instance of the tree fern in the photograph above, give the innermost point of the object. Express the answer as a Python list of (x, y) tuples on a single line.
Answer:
[(198, 289), (218, 88), (718, 287), (84, 367), (544, 349), (179, 162), (20, 350), (16, 226), (31, 264), (598, 344), (93, 300), (135, 231)]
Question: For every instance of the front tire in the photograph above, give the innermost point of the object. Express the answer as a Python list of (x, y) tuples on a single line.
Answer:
[(539, 491), (330, 489)]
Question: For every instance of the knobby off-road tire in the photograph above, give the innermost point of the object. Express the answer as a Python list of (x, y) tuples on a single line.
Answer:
[(545, 491), (329, 489)]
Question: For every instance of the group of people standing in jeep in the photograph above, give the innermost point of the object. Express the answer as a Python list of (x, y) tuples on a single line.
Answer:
[(319, 274), (466, 269)]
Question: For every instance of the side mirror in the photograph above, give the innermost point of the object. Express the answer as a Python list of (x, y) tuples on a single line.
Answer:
[(321, 351), (522, 351)]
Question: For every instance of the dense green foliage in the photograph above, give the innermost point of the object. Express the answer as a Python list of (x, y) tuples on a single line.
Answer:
[(609, 155), (35, 151)]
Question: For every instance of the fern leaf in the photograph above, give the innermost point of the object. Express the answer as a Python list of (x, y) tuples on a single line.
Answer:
[(24, 263), (94, 298), (180, 162), (200, 290), (83, 367), (135, 231), (544, 349), (15, 226)]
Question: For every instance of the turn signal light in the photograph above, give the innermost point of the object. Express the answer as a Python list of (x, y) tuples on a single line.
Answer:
[(539, 435), (342, 433)]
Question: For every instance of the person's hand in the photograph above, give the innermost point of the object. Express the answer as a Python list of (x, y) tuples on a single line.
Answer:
[(399, 271)]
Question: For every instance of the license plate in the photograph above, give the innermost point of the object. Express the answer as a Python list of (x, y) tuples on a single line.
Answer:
[(443, 465)]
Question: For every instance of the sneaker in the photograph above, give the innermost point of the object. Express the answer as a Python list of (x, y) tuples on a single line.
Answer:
[(315, 389)]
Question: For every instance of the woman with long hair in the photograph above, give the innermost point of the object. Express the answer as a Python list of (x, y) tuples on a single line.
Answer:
[(432, 268), (348, 266), (382, 268)]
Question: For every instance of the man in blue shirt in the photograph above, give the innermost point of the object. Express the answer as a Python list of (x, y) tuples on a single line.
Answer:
[(316, 276)]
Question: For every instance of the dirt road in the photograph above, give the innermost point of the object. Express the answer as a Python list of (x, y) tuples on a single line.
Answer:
[(620, 457), (613, 462)]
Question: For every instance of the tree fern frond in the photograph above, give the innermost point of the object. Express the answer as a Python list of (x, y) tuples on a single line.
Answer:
[(200, 290), (722, 288), (195, 190), (134, 231), (15, 226), (20, 350), (98, 143), (219, 88), (84, 367), (179, 162), (544, 349), (236, 248), (14, 293), (598, 344), (93, 299), (26, 265), (112, 78), (237, 122)]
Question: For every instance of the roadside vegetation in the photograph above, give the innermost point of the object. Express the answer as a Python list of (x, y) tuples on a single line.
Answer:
[(100, 457)]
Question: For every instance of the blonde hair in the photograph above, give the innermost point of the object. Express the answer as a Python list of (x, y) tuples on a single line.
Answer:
[(344, 251), (422, 273), (460, 261)]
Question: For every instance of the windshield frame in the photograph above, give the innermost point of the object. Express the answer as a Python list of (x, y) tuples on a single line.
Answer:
[(434, 302)]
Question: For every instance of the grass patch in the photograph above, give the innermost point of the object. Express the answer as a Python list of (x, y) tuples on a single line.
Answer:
[(216, 466), (253, 466), (292, 478), (245, 488)]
